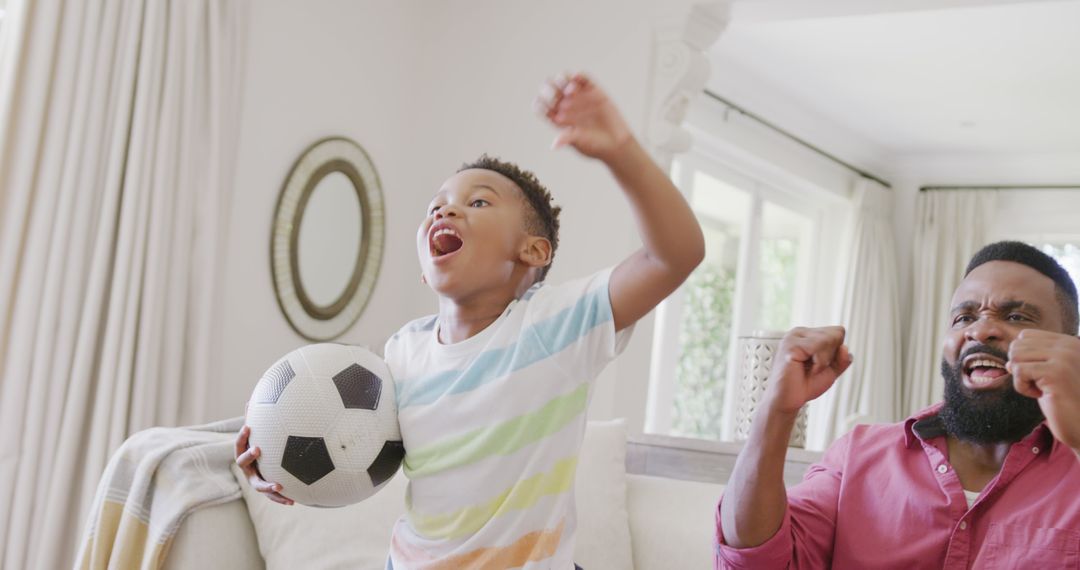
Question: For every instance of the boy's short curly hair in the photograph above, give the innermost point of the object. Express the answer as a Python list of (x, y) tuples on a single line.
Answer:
[(542, 217)]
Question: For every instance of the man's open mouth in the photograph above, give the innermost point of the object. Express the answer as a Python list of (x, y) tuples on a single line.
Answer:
[(984, 370), (444, 240)]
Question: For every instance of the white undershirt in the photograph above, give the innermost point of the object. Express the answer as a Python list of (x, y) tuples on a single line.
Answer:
[(971, 496)]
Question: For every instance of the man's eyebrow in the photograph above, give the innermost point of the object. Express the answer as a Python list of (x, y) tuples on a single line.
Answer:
[(1004, 306), (965, 306), (1013, 304)]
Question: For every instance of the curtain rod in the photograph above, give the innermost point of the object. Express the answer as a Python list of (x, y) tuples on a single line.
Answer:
[(1000, 187), (802, 142)]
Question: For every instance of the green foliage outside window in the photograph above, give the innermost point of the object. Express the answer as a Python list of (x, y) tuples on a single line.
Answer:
[(777, 283), (704, 337)]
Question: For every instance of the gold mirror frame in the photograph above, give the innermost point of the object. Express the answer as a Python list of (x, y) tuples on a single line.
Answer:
[(310, 320)]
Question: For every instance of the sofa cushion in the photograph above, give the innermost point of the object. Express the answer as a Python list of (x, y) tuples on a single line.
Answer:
[(672, 522), (358, 536), (603, 536)]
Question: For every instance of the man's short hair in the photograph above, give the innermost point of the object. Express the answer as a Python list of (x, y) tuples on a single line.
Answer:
[(1019, 252), (541, 217)]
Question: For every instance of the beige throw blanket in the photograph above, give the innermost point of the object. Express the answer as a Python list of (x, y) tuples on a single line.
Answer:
[(156, 478)]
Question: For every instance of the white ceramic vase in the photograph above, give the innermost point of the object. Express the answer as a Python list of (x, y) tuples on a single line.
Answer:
[(755, 362)]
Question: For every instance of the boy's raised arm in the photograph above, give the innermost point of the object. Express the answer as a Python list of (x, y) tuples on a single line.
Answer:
[(672, 241)]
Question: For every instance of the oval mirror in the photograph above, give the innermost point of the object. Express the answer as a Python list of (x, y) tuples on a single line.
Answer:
[(329, 239), (326, 243)]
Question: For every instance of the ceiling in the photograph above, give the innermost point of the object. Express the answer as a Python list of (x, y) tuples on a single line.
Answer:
[(910, 77)]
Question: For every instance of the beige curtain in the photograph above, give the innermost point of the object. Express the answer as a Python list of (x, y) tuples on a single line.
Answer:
[(870, 390), (950, 226), (118, 122)]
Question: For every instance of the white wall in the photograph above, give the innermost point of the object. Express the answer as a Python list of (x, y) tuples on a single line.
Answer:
[(423, 87)]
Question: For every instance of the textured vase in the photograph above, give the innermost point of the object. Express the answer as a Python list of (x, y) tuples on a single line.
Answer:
[(756, 359)]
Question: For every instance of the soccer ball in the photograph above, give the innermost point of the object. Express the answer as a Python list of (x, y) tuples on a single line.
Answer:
[(325, 418)]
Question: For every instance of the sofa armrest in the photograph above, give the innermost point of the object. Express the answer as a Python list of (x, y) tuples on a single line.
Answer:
[(220, 536)]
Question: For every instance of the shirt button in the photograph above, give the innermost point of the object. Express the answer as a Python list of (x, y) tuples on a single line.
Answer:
[(963, 525), (942, 468), (1035, 450)]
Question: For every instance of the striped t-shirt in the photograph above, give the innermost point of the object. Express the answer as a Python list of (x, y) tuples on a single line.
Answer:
[(493, 426)]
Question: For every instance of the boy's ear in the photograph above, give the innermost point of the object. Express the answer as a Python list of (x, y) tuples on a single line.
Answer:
[(536, 252)]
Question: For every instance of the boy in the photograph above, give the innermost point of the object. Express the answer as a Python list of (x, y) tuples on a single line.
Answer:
[(492, 391)]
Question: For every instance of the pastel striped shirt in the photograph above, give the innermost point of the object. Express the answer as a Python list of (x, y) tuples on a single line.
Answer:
[(493, 426)]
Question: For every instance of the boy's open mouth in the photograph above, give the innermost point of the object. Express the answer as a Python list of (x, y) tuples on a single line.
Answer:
[(984, 371), (444, 240)]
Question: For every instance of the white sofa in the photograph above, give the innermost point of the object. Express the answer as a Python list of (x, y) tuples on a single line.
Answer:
[(625, 521)]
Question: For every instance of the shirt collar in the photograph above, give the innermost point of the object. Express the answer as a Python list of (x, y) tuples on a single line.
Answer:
[(926, 425), (921, 424)]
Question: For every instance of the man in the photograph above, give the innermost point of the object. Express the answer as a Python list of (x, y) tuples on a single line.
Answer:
[(990, 478)]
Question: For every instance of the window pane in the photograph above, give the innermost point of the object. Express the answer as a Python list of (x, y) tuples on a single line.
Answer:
[(719, 203), (783, 233), (1068, 255), (705, 328)]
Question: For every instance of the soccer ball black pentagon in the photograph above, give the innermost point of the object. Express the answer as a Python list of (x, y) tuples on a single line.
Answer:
[(325, 417)]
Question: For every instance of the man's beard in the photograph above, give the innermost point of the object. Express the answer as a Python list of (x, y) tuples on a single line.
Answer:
[(985, 416)]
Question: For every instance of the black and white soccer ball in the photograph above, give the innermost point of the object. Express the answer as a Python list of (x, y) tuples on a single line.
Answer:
[(325, 418)]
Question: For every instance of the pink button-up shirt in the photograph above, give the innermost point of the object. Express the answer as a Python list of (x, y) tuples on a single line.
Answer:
[(885, 496)]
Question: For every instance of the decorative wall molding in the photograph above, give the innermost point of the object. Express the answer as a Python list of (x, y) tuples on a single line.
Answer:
[(679, 69)]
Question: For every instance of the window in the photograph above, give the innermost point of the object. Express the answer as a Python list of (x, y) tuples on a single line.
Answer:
[(1067, 253), (759, 247)]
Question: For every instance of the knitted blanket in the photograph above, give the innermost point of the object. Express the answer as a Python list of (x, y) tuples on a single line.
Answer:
[(156, 478)]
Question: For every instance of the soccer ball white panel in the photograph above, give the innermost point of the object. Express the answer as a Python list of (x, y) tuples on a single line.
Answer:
[(273, 383), (326, 359), (338, 488), (267, 434), (355, 440), (309, 406)]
